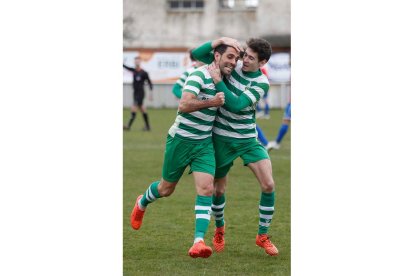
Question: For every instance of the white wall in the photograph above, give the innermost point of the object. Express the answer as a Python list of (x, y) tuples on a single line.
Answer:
[(149, 24)]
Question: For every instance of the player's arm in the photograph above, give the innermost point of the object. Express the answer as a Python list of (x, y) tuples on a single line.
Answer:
[(148, 80), (190, 103), (177, 90), (232, 103), (178, 86), (128, 68)]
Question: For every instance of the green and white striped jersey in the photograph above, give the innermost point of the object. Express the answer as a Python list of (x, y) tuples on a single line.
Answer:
[(185, 75), (241, 124), (196, 125)]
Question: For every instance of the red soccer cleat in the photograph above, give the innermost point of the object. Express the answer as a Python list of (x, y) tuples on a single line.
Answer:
[(218, 239), (199, 249), (137, 215), (264, 241)]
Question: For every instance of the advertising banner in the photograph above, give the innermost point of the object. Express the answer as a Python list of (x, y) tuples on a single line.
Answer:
[(162, 67)]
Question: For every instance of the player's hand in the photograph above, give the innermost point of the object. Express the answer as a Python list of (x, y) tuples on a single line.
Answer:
[(214, 71), (233, 43), (218, 99)]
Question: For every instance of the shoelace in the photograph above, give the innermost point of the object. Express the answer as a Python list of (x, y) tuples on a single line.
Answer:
[(219, 236), (266, 240)]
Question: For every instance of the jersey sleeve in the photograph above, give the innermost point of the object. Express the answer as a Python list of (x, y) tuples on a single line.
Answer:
[(204, 53), (232, 102), (256, 91), (128, 68), (194, 83), (148, 80), (182, 78)]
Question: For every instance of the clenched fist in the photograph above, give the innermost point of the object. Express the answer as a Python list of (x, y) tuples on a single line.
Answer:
[(218, 99)]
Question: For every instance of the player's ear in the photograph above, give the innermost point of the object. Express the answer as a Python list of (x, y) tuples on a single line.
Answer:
[(262, 63), (217, 56)]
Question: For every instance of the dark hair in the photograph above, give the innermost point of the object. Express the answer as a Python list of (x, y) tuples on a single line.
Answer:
[(221, 48), (191, 54), (261, 47)]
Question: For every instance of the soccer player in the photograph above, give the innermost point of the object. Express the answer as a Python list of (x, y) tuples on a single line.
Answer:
[(140, 76), (275, 144), (189, 143), (235, 134), (178, 86)]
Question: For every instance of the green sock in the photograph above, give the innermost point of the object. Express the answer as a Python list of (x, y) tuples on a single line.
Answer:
[(202, 212), (217, 209), (150, 195), (266, 210)]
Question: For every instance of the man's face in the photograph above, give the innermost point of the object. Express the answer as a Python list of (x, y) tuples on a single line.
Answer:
[(137, 61), (227, 61), (250, 61)]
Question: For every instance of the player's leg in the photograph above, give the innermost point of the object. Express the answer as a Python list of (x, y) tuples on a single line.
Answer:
[(203, 168), (266, 107), (143, 111), (225, 155), (134, 109), (175, 162), (282, 130), (261, 136), (217, 210), (263, 172), (155, 191)]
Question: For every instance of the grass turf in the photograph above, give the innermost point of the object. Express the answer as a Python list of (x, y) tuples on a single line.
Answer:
[(161, 245)]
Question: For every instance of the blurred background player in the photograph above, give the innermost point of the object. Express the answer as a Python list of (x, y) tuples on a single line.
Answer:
[(140, 76), (178, 86), (275, 144)]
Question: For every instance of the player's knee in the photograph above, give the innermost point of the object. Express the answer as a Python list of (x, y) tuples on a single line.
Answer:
[(219, 190), (165, 189), (268, 186), (207, 190), (218, 193)]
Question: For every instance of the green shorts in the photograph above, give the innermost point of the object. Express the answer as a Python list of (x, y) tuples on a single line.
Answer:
[(180, 153), (250, 150)]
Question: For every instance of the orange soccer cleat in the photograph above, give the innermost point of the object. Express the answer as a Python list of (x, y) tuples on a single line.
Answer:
[(199, 249), (137, 215), (218, 239), (264, 241)]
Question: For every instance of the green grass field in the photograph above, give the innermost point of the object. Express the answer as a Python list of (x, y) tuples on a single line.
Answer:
[(160, 246)]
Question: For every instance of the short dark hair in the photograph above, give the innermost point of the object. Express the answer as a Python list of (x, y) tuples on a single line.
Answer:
[(191, 54), (261, 47), (221, 48)]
